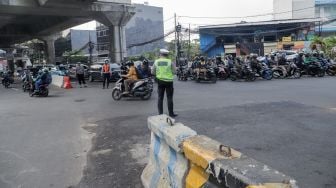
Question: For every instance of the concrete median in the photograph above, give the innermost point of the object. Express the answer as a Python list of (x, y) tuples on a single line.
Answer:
[(180, 158)]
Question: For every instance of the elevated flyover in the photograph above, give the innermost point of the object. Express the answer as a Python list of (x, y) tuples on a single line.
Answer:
[(22, 20)]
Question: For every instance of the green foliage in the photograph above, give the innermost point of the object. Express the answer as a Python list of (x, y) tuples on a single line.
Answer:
[(75, 56), (326, 44)]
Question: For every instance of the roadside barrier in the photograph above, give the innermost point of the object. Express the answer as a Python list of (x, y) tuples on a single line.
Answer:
[(67, 83), (180, 158), (61, 81), (57, 80)]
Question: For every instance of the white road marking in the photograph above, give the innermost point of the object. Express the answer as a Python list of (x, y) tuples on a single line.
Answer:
[(15, 89)]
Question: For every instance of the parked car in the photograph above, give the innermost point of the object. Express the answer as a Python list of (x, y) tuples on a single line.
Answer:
[(95, 72), (72, 70), (60, 70)]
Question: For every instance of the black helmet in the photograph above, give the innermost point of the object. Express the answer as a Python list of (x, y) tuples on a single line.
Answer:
[(202, 58)]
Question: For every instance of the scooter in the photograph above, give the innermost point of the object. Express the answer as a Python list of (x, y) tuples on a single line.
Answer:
[(142, 88), (43, 90), (7, 80)]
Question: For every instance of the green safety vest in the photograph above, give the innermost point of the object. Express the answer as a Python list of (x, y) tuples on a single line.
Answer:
[(164, 70)]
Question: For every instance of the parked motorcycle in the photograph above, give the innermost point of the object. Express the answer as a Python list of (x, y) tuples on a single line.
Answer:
[(208, 75), (264, 71), (331, 69), (313, 69), (142, 88), (244, 73), (222, 72), (289, 71), (183, 73)]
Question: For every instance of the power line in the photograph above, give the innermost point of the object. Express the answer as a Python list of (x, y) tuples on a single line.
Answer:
[(152, 40), (251, 16)]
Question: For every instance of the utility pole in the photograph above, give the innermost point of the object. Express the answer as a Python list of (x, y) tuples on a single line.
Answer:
[(189, 44), (176, 53)]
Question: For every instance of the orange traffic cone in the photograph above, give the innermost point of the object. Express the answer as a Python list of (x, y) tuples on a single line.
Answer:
[(66, 82)]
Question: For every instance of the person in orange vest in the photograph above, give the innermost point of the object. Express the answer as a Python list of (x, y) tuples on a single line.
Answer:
[(106, 74)]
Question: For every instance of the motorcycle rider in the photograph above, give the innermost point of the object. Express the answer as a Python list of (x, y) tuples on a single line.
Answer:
[(144, 69), (43, 78), (300, 60), (131, 76), (164, 71), (254, 63), (201, 66)]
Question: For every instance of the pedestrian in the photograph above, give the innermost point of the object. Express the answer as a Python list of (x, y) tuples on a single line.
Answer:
[(80, 75), (106, 74), (164, 71)]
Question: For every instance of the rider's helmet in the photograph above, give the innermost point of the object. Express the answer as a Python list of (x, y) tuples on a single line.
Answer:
[(315, 53), (202, 58), (45, 70), (197, 58)]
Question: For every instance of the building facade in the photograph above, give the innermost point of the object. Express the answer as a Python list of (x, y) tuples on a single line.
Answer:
[(146, 25), (302, 9), (256, 37)]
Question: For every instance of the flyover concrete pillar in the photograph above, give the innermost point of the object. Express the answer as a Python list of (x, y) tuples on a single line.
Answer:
[(50, 47), (116, 22), (117, 43)]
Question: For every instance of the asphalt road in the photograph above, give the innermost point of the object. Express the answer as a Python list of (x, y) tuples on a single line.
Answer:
[(82, 138)]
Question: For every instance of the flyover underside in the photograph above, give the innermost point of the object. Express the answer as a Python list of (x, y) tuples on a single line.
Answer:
[(25, 20)]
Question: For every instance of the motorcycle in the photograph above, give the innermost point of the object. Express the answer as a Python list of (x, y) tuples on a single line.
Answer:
[(142, 88), (43, 89), (25, 82), (222, 72), (331, 69), (313, 69), (264, 71), (246, 73), (183, 73), (292, 71), (209, 75), (7, 80)]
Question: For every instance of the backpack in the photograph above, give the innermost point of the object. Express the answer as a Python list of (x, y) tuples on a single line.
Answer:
[(139, 73), (49, 79)]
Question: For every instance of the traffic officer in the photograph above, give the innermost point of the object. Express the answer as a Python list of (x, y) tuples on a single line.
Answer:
[(106, 74), (164, 71)]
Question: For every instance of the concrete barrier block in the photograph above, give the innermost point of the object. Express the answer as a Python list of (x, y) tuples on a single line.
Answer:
[(174, 134), (222, 166), (166, 167), (57, 80)]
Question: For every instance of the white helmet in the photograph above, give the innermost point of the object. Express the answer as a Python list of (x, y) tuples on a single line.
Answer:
[(164, 52)]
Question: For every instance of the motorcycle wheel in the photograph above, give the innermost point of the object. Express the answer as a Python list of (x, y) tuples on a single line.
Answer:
[(45, 93), (321, 73), (297, 74), (7, 84), (268, 76), (31, 93), (116, 94), (146, 97), (277, 74), (330, 72), (214, 79), (233, 77)]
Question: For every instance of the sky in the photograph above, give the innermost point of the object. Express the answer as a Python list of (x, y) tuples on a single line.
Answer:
[(206, 8)]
